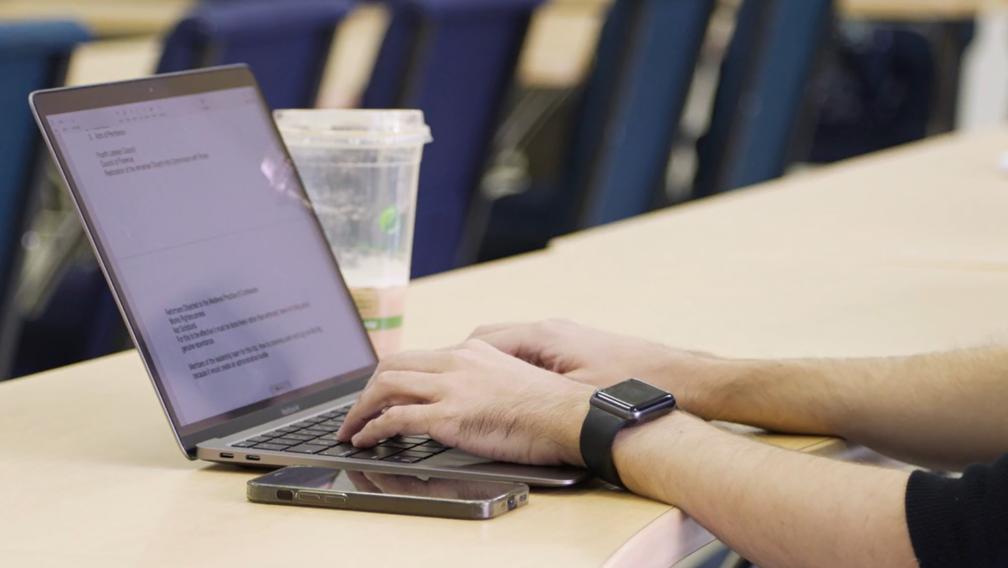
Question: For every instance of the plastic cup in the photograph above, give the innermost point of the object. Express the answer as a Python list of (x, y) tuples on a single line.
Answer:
[(360, 170)]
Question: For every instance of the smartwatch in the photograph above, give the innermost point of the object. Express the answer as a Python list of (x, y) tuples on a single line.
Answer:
[(628, 403)]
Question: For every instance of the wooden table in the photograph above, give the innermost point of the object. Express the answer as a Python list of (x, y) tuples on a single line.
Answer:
[(80, 488), (898, 253)]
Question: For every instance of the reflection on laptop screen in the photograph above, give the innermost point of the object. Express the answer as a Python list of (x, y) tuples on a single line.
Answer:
[(218, 257)]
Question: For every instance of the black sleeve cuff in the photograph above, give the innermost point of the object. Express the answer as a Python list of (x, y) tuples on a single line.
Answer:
[(960, 521)]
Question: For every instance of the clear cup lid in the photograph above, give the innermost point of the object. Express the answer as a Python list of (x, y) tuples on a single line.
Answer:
[(358, 128)]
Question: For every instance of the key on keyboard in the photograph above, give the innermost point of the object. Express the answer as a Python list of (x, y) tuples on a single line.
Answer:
[(317, 435)]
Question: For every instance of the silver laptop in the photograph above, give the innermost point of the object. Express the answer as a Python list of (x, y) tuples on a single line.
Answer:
[(224, 277)]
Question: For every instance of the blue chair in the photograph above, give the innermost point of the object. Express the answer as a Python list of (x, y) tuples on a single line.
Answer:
[(887, 84), (622, 170), (624, 126), (33, 55), (79, 321), (286, 44), (455, 60), (760, 104)]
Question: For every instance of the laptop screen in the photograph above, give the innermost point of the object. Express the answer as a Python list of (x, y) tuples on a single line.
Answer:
[(218, 259)]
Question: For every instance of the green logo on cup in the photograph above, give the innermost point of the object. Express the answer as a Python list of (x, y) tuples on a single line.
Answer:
[(388, 221)]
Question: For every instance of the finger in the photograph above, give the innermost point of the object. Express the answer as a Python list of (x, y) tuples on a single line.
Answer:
[(356, 419), (510, 340), (389, 388), (492, 328), (432, 361), (410, 419), (530, 343)]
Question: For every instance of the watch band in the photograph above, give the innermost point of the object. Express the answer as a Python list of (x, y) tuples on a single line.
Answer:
[(597, 435)]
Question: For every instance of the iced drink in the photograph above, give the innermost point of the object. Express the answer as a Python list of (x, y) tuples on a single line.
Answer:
[(360, 169)]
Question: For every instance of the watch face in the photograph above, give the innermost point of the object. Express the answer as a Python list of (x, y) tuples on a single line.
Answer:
[(634, 394)]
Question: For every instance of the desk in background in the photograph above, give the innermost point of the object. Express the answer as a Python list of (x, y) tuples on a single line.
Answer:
[(558, 50), (897, 252), (105, 18), (918, 10), (894, 253)]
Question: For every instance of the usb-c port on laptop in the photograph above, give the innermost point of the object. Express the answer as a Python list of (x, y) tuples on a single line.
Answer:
[(226, 455), (252, 458)]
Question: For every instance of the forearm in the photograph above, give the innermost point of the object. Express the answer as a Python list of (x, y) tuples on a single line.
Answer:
[(776, 507), (942, 409)]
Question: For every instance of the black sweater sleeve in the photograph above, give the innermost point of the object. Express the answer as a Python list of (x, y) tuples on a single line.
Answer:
[(960, 521)]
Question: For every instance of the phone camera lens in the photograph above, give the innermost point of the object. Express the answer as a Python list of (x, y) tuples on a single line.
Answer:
[(285, 495)]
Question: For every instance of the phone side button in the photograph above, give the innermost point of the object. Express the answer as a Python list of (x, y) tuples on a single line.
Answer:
[(309, 497), (335, 499)]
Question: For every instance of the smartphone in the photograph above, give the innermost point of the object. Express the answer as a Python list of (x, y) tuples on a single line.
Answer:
[(387, 493)]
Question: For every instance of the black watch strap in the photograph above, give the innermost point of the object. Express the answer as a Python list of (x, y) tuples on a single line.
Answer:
[(597, 436)]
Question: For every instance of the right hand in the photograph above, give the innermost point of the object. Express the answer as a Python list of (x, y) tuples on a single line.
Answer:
[(475, 398), (601, 358)]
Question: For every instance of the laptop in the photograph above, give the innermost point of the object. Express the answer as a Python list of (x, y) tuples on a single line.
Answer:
[(224, 277)]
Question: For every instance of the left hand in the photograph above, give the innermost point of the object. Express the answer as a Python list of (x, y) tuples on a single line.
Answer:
[(475, 398)]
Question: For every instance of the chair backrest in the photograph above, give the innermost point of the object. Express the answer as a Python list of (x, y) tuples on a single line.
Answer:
[(454, 60), (760, 100), (633, 102), (286, 44), (33, 55)]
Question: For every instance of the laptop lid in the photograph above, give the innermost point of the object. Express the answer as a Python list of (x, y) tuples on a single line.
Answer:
[(210, 246)]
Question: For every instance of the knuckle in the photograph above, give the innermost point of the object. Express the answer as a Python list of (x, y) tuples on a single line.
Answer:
[(466, 358), (374, 426), (382, 365), (385, 380), (371, 382), (472, 343), (393, 414), (477, 345)]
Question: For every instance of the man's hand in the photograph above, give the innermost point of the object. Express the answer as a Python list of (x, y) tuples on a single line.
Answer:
[(475, 398), (603, 359)]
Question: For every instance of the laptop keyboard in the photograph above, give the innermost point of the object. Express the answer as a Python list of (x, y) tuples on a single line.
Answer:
[(317, 435)]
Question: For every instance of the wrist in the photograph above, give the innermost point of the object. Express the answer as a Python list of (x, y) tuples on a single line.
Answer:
[(675, 438), (611, 410), (566, 420), (706, 385), (790, 395)]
